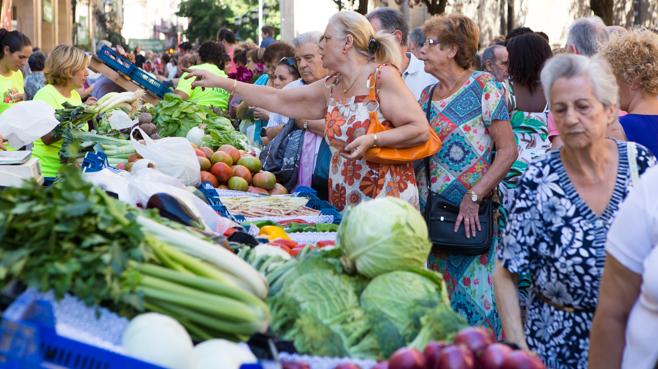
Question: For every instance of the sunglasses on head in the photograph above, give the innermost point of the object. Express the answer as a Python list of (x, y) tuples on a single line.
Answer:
[(289, 61)]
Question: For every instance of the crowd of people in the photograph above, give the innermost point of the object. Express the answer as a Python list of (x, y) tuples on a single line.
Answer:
[(561, 139)]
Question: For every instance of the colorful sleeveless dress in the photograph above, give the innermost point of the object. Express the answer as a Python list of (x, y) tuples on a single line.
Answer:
[(354, 181)]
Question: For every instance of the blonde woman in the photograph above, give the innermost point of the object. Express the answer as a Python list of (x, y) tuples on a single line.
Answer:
[(66, 72), (351, 48)]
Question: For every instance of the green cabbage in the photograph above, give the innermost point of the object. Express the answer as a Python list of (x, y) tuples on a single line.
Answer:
[(381, 236), (395, 304)]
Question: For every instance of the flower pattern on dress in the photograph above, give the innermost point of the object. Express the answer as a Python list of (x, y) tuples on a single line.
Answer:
[(462, 122), (555, 238), (354, 181)]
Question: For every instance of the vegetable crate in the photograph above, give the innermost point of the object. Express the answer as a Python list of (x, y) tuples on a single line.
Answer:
[(314, 202), (28, 340), (122, 65)]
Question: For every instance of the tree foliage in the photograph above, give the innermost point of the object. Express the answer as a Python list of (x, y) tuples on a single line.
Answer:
[(205, 18), (360, 6)]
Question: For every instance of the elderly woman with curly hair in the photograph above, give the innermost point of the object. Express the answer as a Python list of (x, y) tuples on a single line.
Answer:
[(469, 113), (634, 60), (564, 206)]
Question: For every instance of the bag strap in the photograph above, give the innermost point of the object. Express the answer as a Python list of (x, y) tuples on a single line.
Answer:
[(428, 112), (631, 153)]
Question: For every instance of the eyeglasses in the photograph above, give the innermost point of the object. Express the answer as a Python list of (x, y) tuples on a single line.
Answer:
[(326, 38), (431, 42)]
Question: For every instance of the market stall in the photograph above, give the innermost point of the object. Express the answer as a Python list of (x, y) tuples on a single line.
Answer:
[(164, 243)]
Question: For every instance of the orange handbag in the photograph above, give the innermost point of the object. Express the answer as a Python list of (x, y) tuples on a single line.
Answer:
[(389, 155)]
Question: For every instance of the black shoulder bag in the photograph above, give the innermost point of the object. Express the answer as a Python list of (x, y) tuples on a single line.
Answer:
[(441, 217)]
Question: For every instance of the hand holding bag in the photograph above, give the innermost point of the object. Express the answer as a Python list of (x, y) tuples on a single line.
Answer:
[(441, 217), (389, 155)]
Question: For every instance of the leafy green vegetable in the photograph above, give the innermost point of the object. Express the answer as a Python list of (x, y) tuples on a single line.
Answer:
[(68, 237), (395, 303), (372, 244), (175, 117), (440, 324)]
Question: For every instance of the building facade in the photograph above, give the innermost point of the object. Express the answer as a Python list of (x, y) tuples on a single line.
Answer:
[(47, 23)]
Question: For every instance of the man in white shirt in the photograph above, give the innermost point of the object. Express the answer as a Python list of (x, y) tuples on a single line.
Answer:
[(414, 75)]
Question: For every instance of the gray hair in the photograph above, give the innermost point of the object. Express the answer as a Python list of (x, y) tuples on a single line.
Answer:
[(312, 37), (489, 54), (596, 69), (391, 20), (417, 36), (586, 35)]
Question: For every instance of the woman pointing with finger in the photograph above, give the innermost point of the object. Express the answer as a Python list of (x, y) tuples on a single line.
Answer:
[(351, 48)]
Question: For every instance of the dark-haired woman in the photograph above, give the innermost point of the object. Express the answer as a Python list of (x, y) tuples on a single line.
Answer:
[(527, 55), (227, 38), (15, 49), (213, 56)]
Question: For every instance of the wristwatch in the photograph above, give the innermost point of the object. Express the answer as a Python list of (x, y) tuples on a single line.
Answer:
[(263, 132), (474, 196), (305, 125)]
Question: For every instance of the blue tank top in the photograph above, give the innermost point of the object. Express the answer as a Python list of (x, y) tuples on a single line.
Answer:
[(642, 129)]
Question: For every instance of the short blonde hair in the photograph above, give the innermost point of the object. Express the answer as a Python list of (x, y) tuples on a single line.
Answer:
[(634, 58), (456, 30), (63, 62), (357, 25)]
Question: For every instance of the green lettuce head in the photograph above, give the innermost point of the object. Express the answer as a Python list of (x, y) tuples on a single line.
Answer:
[(381, 236)]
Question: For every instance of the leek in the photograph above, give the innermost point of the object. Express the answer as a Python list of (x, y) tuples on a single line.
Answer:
[(213, 254)]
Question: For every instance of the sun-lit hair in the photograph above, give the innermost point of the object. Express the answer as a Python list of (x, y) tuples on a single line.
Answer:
[(455, 30), (63, 62), (634, 58), (357, 25)]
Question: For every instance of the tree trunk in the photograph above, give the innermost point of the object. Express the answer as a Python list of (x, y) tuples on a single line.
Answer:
[(435, 7), (510, 15), (604, 9), (363, 7)]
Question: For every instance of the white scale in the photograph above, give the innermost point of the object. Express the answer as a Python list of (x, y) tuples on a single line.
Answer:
[(18, 166)]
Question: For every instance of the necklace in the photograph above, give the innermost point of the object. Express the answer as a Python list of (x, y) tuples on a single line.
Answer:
[(345, 90), (457, 85)]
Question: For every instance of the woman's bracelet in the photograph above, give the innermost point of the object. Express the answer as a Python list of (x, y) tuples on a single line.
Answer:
[(235, 84), (374, 140)]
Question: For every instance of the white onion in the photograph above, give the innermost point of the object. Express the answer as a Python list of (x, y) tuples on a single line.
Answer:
[(221, 354), (158, 339), (195, 135)]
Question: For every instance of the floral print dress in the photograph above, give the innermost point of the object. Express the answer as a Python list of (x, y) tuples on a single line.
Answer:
[(555, 237), (354, 181), (462, 121)]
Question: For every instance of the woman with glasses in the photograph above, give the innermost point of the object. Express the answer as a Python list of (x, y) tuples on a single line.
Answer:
[(351, 49), (470, 115)]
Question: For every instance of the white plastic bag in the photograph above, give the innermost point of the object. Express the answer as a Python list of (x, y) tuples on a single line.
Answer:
[(172, 155), (26, 121), (120, 120)]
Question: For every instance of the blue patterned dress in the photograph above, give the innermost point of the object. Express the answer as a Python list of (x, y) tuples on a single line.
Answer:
[(554, 236), (462, 121)]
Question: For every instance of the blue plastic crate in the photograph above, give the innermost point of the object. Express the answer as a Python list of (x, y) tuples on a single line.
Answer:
[(315, 203), (28, 340), (149, 82), (213, 200), (115, 61), (122, 65)]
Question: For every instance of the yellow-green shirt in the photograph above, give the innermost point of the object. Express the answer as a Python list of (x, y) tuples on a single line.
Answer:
[(48, 155), (216, 97), (10, 87)]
